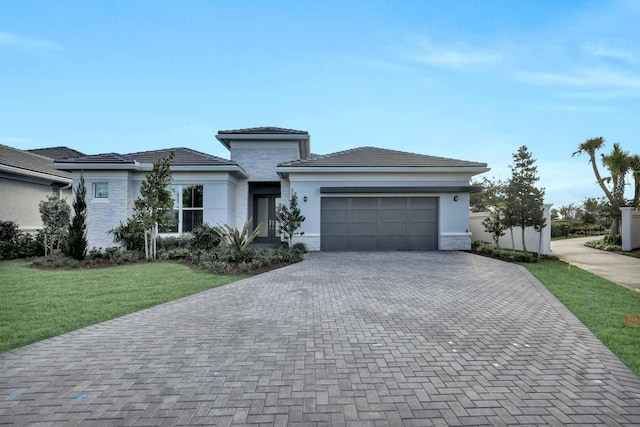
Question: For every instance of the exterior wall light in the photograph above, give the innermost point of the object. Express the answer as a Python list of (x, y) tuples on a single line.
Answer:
[(455, 198), (304, 198)]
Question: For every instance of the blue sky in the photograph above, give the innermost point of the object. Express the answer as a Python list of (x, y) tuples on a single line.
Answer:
[(463, 79)]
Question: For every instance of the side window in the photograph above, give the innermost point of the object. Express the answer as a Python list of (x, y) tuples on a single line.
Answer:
[(101, 190)]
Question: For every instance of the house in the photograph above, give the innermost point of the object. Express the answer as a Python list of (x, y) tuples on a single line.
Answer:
[(360, 199), (25, 180)]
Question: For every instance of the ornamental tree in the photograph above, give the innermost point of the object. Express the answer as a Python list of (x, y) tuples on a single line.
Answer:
[(76, 245), (290, 218)]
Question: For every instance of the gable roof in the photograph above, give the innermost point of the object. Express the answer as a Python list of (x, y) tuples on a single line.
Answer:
[(265, 130), (22, 162), (380, 157), (55, 152), (183, 157)]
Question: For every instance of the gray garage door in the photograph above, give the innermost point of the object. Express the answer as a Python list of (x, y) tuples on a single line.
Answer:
[(379, 223)]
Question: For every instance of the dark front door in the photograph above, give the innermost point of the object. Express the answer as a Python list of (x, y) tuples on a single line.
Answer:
[(264, 215)]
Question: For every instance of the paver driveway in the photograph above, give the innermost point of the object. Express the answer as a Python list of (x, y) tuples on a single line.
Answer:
[(414, 338)]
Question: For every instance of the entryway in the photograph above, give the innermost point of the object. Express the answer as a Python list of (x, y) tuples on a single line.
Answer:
[(265, 199)]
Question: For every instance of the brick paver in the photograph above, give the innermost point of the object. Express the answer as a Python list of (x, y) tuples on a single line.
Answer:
[(342, 339)]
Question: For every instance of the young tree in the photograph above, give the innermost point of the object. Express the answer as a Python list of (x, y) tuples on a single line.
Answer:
[(55, 214), (524, 201), (152, 209), (492, 200), (76, 245), (290, 218)]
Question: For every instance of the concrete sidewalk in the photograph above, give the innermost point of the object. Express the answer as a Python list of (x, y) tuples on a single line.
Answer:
[(620, 269)]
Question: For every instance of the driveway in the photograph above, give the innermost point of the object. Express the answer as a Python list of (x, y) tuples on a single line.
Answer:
[(405, 338), (621, 269)]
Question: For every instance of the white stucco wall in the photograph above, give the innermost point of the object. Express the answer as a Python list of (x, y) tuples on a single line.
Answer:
[(453, 221), (532, 237), (105, 214), (630, 229)]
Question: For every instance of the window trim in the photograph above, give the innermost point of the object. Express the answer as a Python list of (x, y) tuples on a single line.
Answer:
[(177, 206)]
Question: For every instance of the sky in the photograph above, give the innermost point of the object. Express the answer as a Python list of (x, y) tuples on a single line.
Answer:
[(464, 79)]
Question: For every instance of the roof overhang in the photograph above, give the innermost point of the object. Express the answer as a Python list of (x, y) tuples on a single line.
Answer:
[(302, 139), (147, 167), (472, 170), (34, 174)]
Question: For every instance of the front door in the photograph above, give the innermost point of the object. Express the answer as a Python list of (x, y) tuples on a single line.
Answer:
[(264, 215)]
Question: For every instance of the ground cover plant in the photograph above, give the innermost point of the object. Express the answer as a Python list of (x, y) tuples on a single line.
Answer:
[(511, 255), (598, 303), (39, 304)]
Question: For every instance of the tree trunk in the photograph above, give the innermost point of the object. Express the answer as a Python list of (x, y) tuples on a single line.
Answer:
[(615, 226), (524, 244), (146, 245), (513, 243), (540, 243), (155, 240)]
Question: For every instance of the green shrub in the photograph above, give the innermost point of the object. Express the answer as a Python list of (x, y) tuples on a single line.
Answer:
[(207, 237), (176, 253), (129, 234), (615, 239), (300, 248), (511, 255), (55, 261), (15, 243), (168, 243), (603, 244)]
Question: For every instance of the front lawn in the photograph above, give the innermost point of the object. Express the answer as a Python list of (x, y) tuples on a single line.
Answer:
[(39, 304), (600, 304)]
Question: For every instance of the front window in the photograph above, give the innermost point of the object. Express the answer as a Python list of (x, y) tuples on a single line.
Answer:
[(101, 190), (187, 208)]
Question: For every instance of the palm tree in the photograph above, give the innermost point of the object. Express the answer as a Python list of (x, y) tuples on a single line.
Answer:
[(634, 164), (590, 146)]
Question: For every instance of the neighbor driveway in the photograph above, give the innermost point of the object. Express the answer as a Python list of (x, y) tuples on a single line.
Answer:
[(621, 269), (405, 338)]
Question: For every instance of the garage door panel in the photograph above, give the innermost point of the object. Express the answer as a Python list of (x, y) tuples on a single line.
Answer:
[(333, 215), (393, 215), (364, 203), (366, 215), (335, 203), (393, 202), (421, 228), (424, 203), (424, 215), (379, 223), (364, 229), (393, 228)]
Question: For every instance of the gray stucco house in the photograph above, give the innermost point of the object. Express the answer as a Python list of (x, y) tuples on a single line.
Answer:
[(360, 199), (26, 179)]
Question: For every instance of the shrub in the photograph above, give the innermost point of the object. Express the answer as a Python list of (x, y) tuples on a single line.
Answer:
[(615, 239), (511, 255), (207, 237), (55, 261), (300, 248), (15, 243), (239, 240), (129, 234), (176, 254), (171, 242)]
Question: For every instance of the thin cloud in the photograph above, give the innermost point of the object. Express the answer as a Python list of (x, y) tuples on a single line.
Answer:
[(596, 78), (10, 140), (446, 57), (27, 43), (605, 52)]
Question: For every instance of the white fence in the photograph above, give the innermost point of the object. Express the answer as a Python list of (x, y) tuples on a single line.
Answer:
[(531, 236), (630, 229)]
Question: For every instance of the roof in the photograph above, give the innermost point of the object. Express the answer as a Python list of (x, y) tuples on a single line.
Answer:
[(379, 157), (183, 157), (56, 152), (27, 162), (265, 130)]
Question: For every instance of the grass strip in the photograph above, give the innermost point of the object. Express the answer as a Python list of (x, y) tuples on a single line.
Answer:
[(40, 304), (600, 305)]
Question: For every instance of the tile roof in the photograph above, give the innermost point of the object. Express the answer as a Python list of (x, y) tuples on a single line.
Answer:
[(55, 152), (183, 157), (265, 130), (379, 157), (20, 159)]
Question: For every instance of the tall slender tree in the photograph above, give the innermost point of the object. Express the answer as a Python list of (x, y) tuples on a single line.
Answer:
[(76, 245), (524, 201), (155, 203)]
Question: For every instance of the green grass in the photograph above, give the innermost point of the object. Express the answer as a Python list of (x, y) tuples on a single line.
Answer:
[(598, 303), (40, 304), (574, 236)]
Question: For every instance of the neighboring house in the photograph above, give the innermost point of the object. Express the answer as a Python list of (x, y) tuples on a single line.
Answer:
[(360, 199), (25, 180), (57, 152)]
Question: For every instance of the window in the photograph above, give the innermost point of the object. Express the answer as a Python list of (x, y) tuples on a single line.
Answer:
[(101, 190), (187, 208)]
